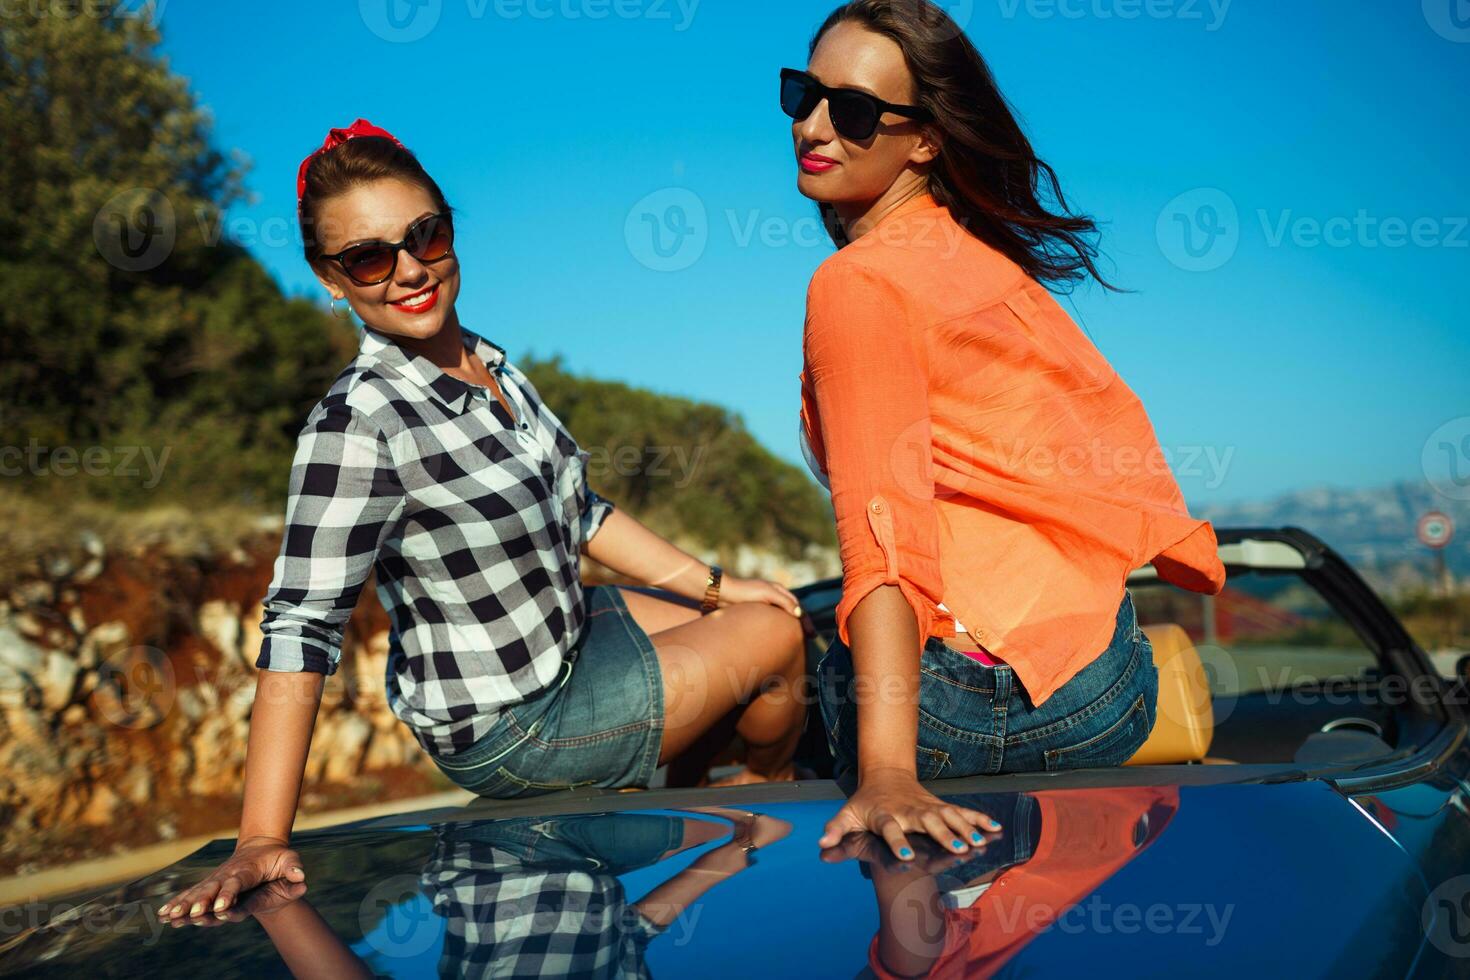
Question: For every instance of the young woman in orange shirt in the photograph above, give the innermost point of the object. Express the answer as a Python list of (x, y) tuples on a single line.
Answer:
[(994, 480)]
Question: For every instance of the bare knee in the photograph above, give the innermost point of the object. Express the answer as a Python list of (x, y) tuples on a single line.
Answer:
[(774, 625)]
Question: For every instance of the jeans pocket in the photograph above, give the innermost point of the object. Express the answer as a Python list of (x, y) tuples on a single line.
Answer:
[(834, 673), (481, 778), (1112, 746)]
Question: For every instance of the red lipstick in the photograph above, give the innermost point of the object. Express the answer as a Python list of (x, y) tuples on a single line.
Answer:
[(815, 163)]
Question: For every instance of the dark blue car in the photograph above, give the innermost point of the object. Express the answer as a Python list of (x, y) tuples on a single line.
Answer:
[(1300, 811)]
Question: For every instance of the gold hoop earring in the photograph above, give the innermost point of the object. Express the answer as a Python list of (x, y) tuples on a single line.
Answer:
[(341, 316)]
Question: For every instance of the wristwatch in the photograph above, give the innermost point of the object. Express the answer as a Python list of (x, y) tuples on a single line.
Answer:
[(711, 600)]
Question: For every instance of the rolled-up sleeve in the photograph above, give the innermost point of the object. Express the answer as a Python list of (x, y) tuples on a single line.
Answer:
[(869, 384), (344, 499), (595, 509)]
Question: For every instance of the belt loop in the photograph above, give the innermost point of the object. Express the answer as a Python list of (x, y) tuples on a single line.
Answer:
[(1002, 691)]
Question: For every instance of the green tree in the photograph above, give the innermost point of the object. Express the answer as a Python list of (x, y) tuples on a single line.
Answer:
[(128, 320), (685, 467), (125, 318)]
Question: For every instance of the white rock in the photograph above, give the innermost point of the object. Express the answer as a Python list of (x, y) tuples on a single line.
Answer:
[(29, 728), (345, 750), (91, 542), (219, 623), (102, 807), (58, 565), (102, 642), (19, 653), (137, 784), (29, 623), (58, 681), (33, 593), (250, 636), (190, 704), (239, 702)]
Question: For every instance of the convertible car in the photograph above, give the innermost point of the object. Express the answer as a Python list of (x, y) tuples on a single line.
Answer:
[(1299, 810)]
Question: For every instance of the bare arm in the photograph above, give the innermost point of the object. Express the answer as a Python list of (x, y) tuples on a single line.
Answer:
[(890, 800), (885, 636), (869, 379), (308, 945), (280, 735), (344, 499), (632, 549)]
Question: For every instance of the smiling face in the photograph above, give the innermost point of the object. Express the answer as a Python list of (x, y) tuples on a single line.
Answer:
[(418, 299), (836, 170)]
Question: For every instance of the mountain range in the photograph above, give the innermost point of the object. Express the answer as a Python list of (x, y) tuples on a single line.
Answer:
[(1374, 529)]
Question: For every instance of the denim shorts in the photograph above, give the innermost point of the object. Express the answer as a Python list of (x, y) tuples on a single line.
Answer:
[(606, 843), (600, 723), (976, 719)]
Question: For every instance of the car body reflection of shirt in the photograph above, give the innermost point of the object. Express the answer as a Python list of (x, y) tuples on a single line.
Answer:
[(519, 902), (1085, 836)]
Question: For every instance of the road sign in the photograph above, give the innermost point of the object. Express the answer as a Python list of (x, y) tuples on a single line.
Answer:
[(1436, 529)]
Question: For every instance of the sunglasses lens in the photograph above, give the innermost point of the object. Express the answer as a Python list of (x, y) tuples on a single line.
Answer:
[(796, 98), (431, 239), (369, 264), (853, 116)]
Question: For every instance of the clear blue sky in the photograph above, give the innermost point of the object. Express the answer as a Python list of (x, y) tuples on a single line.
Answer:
[(1295, 359)]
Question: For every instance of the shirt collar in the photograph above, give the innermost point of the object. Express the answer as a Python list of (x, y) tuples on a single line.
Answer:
[(448, 391)]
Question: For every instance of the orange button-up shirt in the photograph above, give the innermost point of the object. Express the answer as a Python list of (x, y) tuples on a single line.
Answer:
[(981, 452), (1087, 836)]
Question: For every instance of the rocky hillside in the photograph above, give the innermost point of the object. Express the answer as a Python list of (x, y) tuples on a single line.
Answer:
[(126, 682), (125, 693)]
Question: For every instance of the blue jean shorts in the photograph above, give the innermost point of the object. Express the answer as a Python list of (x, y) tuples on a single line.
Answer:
[(976, 719), (600, 723), (593, 843)]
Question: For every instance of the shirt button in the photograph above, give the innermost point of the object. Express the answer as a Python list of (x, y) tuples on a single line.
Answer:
[(877, 506)]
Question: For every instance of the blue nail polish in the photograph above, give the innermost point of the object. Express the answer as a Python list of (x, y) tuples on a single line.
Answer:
[(975, 837), (958, 844), (905, 852)]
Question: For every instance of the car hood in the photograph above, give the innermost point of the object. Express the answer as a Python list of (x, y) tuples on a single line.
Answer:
[(1286, 879)]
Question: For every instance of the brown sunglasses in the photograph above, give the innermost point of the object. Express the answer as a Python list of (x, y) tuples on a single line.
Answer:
[(428, 239)]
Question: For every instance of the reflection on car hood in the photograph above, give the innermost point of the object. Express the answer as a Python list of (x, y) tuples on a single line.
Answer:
[(1285, 879)]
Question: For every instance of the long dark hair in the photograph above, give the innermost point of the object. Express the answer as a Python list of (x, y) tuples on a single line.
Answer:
[(987, 174), (358, 161)]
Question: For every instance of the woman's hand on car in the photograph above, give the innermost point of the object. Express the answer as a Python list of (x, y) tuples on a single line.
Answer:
[(875, 852), (255, 862), (733, 590), (267, 900), (891, 803)]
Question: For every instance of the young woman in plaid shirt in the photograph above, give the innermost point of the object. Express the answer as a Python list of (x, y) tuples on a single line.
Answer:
[(433, 461)]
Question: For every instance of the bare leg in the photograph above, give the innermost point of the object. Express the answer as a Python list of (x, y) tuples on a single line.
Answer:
[(744, 659)]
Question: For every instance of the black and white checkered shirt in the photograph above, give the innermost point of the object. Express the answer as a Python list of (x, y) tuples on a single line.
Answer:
[(506, 918), (473, 520)]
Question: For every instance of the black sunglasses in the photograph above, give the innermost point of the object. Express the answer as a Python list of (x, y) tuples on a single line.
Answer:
[(428, 239), (855, 113)]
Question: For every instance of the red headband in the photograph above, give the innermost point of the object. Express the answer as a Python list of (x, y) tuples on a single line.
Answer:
[(336, 138)]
